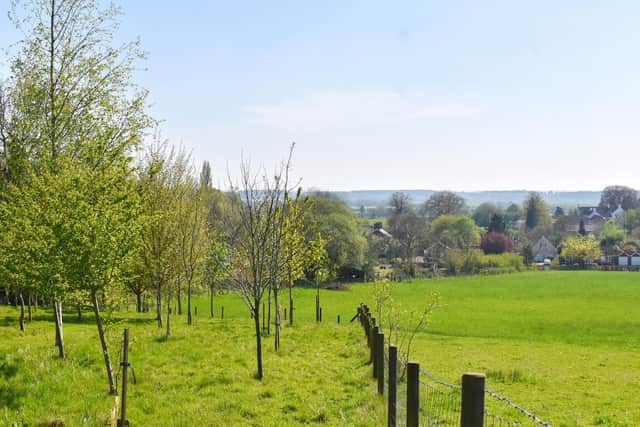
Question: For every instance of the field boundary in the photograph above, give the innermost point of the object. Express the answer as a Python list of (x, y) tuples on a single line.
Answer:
[(428, 401)]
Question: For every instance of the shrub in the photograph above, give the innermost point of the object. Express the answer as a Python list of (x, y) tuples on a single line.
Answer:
[(496, 243)]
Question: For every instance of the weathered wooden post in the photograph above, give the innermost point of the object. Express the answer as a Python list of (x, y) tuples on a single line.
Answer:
[(374, 353), (222, 314), (372, 327), (413, 394), (338, 319), (380, 361), (125, 366), (393, 385), (472, 405)]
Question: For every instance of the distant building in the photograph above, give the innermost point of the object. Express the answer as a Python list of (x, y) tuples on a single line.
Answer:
[(543, 249), (379, 231)]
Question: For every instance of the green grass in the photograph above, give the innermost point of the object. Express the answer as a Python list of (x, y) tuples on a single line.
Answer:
[(201, 376), (562, 344)]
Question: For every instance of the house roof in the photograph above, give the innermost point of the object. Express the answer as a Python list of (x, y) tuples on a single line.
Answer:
[(544, 248)]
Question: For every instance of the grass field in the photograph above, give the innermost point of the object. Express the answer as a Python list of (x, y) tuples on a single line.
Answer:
[(562, 344)]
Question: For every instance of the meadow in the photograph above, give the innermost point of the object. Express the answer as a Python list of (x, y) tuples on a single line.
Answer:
[(562, 344)]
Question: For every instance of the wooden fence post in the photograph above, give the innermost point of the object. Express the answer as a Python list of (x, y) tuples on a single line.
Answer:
[(374, 359), (393, 385), (222, 314), (380, 361), (125, 366), (338, 319), (413, 394), (472, 405)]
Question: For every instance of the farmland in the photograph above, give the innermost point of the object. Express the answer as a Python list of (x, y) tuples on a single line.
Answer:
[(562, 344)]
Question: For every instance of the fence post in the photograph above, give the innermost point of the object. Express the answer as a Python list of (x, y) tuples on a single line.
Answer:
[(380, 361), (222, 316), (413, 394), (393, 385), (374, 361), (338, 319), (125, 365), (472, 405)]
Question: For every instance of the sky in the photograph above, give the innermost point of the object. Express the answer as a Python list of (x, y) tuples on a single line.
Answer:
[(459, 95)]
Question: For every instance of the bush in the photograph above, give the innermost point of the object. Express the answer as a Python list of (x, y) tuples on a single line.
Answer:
[(475, 261), (496, 243)]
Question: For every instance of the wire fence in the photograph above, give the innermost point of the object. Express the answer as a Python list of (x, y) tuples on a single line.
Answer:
[(439, 403)]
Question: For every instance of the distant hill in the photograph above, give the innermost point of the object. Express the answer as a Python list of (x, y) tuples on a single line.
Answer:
[(565, 199)]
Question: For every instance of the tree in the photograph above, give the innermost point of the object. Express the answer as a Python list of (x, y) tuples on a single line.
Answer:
[(410, 232), (535, 211), (337, 225), (497, 223), (453, 233), (192, 230), (611, 234), (618, 195), (70, 119), (496, 243), (512, 214), (582, 249), (254, 231), (443, 203), (483, 214), (581, 228), (160, 175), (632, 221), (400, 203)]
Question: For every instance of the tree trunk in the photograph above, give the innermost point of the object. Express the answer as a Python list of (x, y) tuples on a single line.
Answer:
[(189, 319), (30, 311), (318, 304), (291, 305), (139, 302), (159, 304), (179, 296), (79, 308), (21, 312), (277, 316), (168, 333), (211, 301), (57, 309), (268, 325), (36, 306), (256, 319), (103, 343)]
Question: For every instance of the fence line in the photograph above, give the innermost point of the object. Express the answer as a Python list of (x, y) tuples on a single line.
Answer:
[(423, 399)]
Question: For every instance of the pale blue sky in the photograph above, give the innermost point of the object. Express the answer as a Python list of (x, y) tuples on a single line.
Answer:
[(463, 95)]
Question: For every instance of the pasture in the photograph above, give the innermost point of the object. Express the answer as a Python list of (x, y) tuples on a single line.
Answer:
[(562, 344)]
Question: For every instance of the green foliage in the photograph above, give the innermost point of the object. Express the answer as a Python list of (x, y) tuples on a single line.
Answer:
[(475, 261), (455, 231), (611, 233), (535, 211), (582, 249), (336, 223)]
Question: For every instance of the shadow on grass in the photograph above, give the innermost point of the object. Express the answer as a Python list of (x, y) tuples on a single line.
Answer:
[(11, 393)]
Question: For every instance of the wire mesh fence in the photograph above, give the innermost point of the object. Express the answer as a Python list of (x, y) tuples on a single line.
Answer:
[(439, 403)]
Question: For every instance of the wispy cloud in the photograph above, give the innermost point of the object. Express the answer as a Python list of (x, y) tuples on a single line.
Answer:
[(332, 109)]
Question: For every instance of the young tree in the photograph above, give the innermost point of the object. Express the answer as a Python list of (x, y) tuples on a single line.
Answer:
[(253, 224), (192, 232), (160, 175)]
